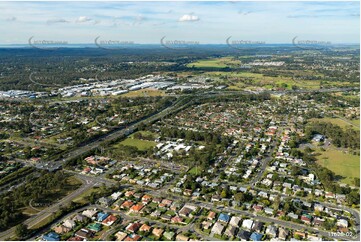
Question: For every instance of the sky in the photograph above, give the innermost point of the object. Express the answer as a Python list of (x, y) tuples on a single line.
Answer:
[(202, 22)]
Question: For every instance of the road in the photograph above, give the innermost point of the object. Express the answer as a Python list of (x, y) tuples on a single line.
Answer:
[(30, 222), (265, 161)]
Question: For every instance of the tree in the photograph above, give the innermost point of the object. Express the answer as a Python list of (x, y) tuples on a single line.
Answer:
[(239, 197), (276, 203), (224, 193), (21, 231)]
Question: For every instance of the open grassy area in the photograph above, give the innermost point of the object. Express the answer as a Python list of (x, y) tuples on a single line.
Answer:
[(215, 63), (343, 164), (238, 80), (195, 170), (342, 123), (140, 144), (147, 92)]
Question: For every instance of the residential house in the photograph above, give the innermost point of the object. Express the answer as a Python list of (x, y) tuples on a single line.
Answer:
[(89, 213), (69, 223), (158, 232), (146, 199), (217, 228), (257, 208), (109, 220), (282, 233), (256, 236), (133, 227), (181, 237), (224, 218), (84, 233), (177, 220), (235, 221), (52, 236), (247, 224), (101, 216), (61, 229), (145, 228), (169, 235), (230, 231), (136, 208), (105, 201), (95, 227), (271, 231), (306, 218), (133, 237), (211, 215), (342, 223), (185, 211), (127, 204), (79, 218), (244, 235), (257, 226), (120, 236)]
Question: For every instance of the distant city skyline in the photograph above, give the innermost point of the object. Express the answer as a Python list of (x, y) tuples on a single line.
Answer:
[(202, 22)]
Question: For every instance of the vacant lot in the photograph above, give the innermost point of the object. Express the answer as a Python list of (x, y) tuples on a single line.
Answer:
[(343, 164), (140, 144)]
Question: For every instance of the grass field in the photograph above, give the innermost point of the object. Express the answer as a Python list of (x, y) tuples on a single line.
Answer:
[(343, 164), (147, 92), (195, 170), (215, 63), (140, 144), (242, 79), (343, 124)]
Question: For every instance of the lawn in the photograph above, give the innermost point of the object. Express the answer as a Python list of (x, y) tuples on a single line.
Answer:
[(343, 124), (140, 144), (342, 164)]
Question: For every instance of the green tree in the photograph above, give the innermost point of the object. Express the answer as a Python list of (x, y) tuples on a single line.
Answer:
[(21, 231)]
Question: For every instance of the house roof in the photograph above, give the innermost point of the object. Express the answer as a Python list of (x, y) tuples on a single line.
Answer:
[(244, 234), (224, 217), (256, 237), (110, 220), (101, 216), (137, 207), (133, 227), (158, 232), (145, 227)]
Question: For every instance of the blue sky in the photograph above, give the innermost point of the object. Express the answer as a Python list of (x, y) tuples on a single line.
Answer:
[(205, 22)]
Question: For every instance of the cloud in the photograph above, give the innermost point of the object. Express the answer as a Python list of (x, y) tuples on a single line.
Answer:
[(188, 18), (11, 19), (138, 20), (244, 12), (58, 20), (83, 19)]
